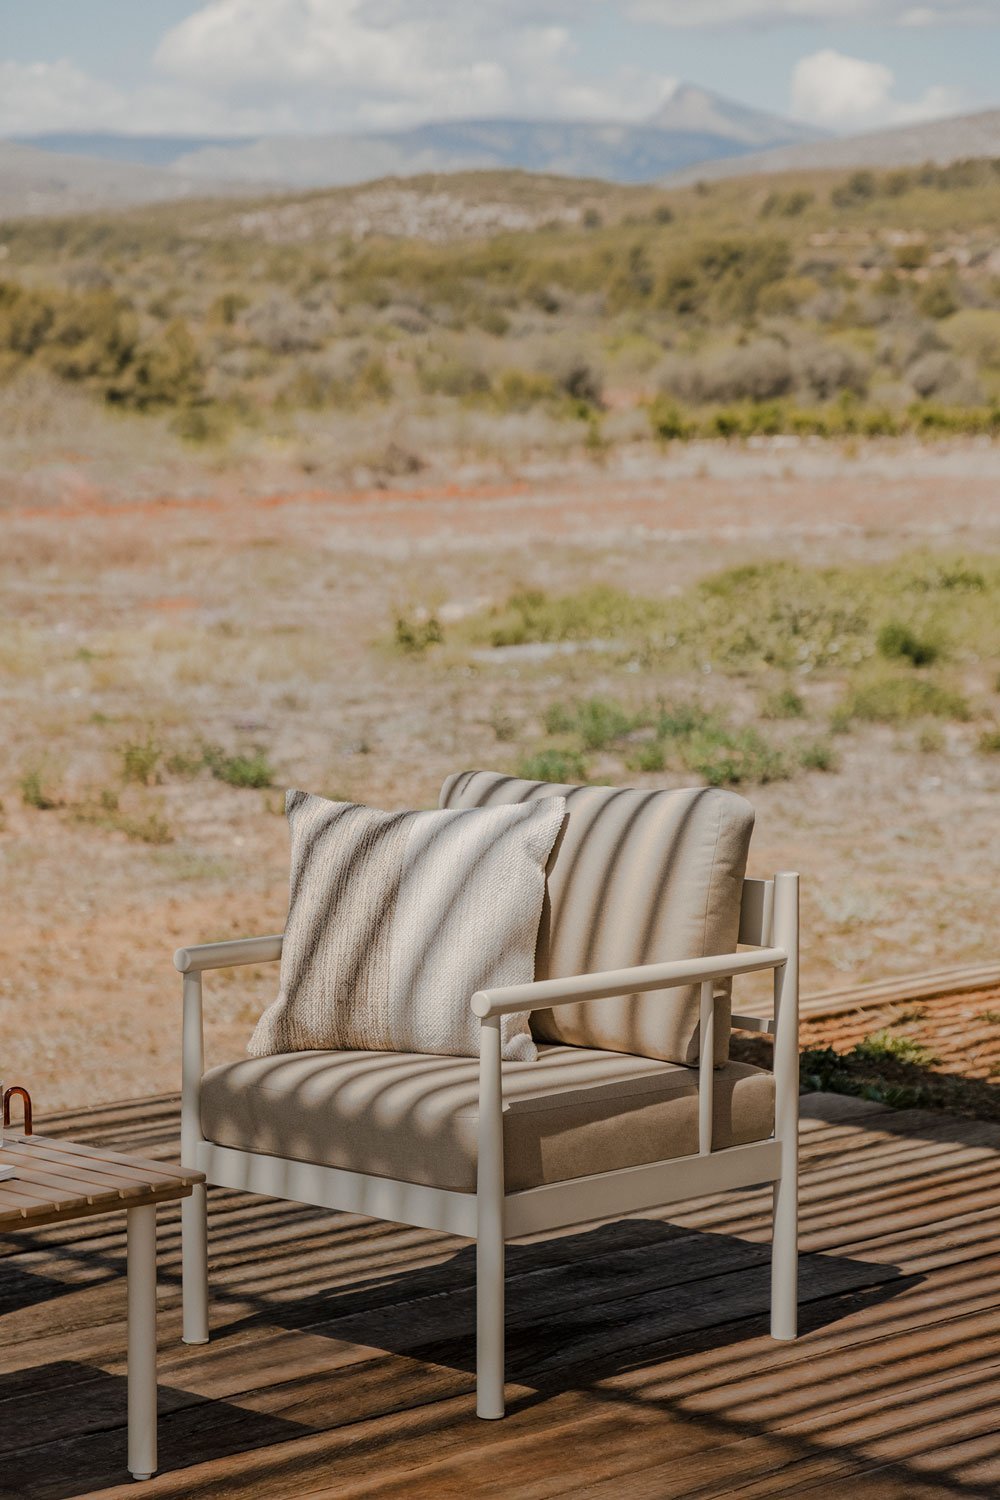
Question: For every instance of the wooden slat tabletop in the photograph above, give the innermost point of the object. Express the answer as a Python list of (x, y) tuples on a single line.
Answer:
[(57, 1179)]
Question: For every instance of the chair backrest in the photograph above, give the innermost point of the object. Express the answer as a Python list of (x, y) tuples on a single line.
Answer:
[(635, 877)]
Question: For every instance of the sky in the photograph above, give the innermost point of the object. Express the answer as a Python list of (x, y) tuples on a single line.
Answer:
[(238, 67)]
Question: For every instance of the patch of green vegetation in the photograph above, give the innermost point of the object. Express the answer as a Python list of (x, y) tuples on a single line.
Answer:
[(729, 757), (818, 755), (140, 760), (560, 766), (598, 722), (885, 1043), (783, 703), (250, 769), (34, 790), (412, 635), (897, 640), (989, 742), (886, 698), (531, 615)]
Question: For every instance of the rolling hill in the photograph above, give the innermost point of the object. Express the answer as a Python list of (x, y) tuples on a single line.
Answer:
[(938, 141)]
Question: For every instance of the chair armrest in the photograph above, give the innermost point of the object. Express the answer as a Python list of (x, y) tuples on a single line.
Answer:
[(546, 993), (257, 950)]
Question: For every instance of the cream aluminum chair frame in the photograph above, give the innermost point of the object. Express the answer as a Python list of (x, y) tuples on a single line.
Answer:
[(769, 921)]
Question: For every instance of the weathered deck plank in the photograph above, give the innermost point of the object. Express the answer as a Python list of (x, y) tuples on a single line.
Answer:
[(342, 1356)]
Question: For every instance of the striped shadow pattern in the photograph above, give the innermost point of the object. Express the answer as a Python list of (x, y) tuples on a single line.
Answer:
[(396, 919)]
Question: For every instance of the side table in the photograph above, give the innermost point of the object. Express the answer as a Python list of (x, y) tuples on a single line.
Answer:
[(57, 1180)]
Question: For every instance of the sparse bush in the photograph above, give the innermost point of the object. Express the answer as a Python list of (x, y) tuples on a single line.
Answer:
[(783, 703), (818, 755), (560, 766), (251, 769), (727, 757), (938, 300), (597, 721), (829, 368), (898, 641), (888, 699), (989, 741), (413, 636), (140, 759), (34, 791)]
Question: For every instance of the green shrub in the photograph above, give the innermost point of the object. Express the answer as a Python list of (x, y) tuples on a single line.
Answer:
[(727, 757), (140, 759), (989, 742), (152, 828), (669, 422), (896, 640), (888, 699), (650, 756), (783, 703), (413, 636), (560, 766), (251, 769), (818, 755), (597, 721), (34, 792), (597, 613)]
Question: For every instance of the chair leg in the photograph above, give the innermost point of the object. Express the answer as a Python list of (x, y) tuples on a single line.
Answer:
[(489, 1322), (194, 1258), (785, 1259)]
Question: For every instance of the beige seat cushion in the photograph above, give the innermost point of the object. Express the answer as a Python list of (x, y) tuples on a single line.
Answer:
[(413, 1117), (635, 877)]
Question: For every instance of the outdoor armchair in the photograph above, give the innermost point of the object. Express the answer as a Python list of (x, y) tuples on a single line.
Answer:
[(632, 1104)]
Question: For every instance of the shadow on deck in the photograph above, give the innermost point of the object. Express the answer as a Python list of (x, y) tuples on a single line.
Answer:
[(638, 1357)]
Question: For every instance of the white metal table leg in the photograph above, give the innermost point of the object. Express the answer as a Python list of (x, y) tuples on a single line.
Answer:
[(194, 1260), (142, 1341)]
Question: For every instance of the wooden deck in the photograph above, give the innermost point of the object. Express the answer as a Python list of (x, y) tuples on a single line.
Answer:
[(639, 1364)]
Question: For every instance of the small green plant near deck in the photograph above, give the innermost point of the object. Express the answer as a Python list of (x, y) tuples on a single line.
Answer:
[(140, 760), (991, 1017), (251, 769), (989, 742), (34, 792), (898, 641), (884, 1043), (553, 765)]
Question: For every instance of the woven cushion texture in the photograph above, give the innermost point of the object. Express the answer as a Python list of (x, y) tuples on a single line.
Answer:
[(415, 1118), (396, 919), (637, 877)]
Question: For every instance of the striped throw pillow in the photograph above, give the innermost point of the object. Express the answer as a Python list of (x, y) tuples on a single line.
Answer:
[(396, 919)]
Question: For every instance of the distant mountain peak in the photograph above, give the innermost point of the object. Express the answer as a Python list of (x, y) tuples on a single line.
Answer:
[(693, 108)]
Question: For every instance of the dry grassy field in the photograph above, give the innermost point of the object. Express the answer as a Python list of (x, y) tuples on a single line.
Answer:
[(179, 644), (352, 489)]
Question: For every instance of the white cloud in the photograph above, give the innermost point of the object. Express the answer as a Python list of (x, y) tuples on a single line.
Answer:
[(852, 94), (353, 64), (686, 13), (53, 96)]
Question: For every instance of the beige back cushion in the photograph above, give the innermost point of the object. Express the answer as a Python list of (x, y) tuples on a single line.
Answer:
[(635, 877)]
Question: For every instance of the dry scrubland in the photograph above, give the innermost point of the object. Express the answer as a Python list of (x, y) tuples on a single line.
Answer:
[(289, 498)]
